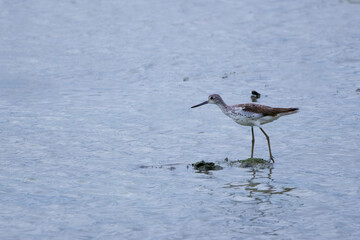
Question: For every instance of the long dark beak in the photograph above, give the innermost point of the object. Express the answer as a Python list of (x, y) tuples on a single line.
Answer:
[(206, 102)]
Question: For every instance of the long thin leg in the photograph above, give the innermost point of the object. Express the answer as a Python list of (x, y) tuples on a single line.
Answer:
[(268, 140), (252, 142)]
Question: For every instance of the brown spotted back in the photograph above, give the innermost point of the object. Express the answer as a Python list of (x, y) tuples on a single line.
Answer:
[(265, 110)]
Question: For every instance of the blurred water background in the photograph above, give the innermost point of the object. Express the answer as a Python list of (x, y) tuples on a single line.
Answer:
[(96, 131)]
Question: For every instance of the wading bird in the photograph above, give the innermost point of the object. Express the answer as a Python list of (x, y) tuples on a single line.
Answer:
[(250, 114)]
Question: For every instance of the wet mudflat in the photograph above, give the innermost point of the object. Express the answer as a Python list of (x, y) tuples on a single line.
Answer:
[(96, 130)]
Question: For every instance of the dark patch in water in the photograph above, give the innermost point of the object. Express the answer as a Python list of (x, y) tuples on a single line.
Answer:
[(250, 163), (169, 166), (226, 75), (255, 95), (206, 166)]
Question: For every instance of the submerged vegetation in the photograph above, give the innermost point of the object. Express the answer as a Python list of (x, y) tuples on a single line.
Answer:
[(246, 163), (250, 163), (206, 166)]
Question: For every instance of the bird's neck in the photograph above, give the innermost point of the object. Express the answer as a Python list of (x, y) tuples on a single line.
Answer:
[(222, 105)]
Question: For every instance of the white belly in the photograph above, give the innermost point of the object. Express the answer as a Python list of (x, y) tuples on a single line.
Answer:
[(246, 122), (250, 119)]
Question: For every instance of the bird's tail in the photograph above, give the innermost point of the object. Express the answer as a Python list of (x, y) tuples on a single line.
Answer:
[(286, 111)]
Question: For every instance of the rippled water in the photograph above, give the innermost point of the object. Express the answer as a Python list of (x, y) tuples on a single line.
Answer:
[(97, 134)]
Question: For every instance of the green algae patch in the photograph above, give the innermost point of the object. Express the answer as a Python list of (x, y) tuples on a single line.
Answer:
[(206, 166), (250, 163)]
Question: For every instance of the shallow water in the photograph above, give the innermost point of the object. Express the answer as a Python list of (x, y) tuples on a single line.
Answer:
[(97, 134)]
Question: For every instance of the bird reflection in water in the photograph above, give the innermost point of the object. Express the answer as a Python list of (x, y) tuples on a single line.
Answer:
[(260, 189)]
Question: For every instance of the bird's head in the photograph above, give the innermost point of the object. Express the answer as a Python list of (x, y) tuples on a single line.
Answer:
[(212, 99)]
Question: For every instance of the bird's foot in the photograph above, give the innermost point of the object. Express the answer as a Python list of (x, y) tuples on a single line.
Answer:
[(272, 159)]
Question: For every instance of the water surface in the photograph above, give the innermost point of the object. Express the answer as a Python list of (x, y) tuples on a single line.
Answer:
[(96, 130)]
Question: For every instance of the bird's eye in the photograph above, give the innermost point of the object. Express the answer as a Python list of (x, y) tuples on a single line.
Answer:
[(211, 98)]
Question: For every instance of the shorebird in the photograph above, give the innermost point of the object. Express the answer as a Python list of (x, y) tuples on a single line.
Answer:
[(250, 114)]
